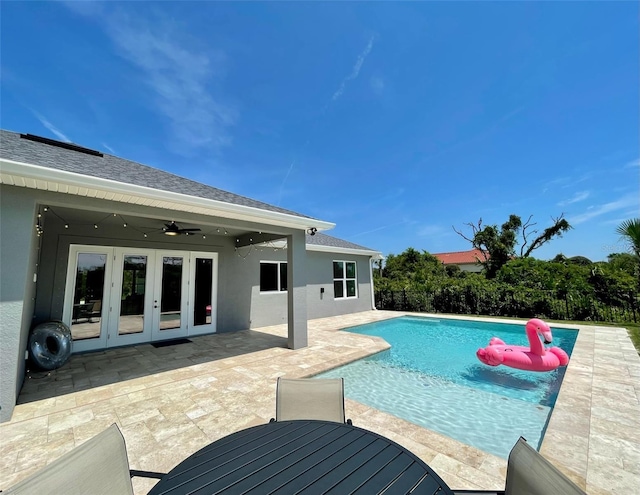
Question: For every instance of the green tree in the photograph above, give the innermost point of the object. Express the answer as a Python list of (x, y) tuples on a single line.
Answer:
[(630, 231), (498, 245), (412, 265), (625, 262)]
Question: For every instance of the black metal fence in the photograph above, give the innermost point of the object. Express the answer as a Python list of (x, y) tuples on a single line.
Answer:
[(523, 303)]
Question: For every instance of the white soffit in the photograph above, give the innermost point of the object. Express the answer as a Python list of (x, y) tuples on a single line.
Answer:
[(48, 179)]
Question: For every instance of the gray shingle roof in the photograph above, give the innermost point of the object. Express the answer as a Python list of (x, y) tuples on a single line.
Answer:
[(13, 147), (320, 239)]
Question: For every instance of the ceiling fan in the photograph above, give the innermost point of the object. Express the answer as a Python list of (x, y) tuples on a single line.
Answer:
[(173, 229)]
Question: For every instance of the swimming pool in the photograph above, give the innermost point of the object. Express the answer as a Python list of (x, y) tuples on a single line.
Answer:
[(431, 377)]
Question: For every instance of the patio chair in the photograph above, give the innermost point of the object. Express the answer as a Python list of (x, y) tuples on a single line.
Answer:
[(98, 466), (307, 398), (529, 473)]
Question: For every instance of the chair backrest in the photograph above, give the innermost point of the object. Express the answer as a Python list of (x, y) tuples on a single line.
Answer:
[(98, 466), (528, 473), (309, 398)]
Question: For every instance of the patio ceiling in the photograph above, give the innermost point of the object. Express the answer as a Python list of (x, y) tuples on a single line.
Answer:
[(150, 225)]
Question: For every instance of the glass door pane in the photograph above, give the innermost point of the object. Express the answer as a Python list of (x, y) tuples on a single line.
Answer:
[(203, 290), (88, 294), (132, 295), (203, 296), (171, 292)]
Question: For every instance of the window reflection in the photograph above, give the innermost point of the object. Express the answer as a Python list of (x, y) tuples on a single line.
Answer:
[(203, 283), (171, 298), (87, 298), (134, 278)]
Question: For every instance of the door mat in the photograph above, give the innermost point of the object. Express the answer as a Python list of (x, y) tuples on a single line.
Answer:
[(167, 343)]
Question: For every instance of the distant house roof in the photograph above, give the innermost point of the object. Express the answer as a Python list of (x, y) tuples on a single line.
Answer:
[(461, 257)]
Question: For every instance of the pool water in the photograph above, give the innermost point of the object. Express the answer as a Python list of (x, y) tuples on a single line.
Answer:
[(432, 377)]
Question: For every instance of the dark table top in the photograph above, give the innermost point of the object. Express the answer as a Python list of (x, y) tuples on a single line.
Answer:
[(309, 457)]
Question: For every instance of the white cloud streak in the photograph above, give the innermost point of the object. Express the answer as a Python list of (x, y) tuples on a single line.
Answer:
[(633, 164), (596, 211), (355, 71), (577, 197), (178, 75), (178, 78), (58, 133), (432, 230), (378, 229), (109, 148), (377, 85), (293, 162)]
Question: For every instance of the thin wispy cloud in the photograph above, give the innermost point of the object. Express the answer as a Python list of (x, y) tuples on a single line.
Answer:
[(178, 77), (633, 163), (284, 181), (109, 148), (57, 132), (598, 210), (384, 227), (177, 73), (355, 71), (577, 197), (432, 230), (377, 85)]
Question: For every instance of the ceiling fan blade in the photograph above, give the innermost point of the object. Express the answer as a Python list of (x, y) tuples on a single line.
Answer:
[(189, 230)]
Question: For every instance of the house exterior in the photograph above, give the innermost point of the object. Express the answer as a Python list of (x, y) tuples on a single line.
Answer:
[(124, 253), (468, 261)]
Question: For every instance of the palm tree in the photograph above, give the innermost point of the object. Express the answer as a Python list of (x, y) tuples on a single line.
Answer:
[(630, 231)]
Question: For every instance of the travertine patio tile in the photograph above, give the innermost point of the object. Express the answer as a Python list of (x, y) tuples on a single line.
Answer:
[(170, 401), (569, 452), (571, 420), (68, 419)]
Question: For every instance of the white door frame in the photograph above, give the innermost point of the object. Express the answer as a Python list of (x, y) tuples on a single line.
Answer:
[(115, 338), (182, 330), (110, 311), (99, 342), (211, 327)]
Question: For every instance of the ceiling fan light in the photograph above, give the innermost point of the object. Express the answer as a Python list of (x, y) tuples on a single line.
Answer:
[(171, 232)]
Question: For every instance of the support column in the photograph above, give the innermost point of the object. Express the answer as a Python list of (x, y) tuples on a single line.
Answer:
[(17, 290), (297, 290)]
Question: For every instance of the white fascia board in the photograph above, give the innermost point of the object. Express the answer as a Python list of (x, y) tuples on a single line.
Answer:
[(376, 255), (45, 178)]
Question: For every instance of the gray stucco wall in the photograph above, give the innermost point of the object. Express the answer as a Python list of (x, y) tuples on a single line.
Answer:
[(238, 276), (17, 290), (239, 302), (271, 308)]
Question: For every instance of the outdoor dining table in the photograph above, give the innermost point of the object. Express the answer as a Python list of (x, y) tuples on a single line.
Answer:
[(303, 456)]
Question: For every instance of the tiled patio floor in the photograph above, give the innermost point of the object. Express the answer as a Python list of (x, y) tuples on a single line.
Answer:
[(171, 401)]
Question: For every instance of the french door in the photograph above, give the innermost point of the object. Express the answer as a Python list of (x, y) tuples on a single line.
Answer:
[(120, 296)]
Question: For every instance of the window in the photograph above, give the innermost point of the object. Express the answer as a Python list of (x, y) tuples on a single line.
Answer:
[(345, 281), (273, 276)]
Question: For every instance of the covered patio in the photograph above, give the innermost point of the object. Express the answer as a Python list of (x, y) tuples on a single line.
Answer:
[(172, 400)]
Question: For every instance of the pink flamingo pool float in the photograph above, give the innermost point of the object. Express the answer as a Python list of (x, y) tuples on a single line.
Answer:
[(533, 358)]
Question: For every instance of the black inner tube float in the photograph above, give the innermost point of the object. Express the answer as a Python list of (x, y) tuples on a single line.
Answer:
[(50, 345)]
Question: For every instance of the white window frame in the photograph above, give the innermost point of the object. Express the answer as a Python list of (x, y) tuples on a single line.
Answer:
[(278, 272), (344, 280)]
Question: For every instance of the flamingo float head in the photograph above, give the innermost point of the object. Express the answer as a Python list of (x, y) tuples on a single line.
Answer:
[(542, 328)]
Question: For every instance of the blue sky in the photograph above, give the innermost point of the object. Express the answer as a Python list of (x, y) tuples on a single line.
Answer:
[(394, 120)]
